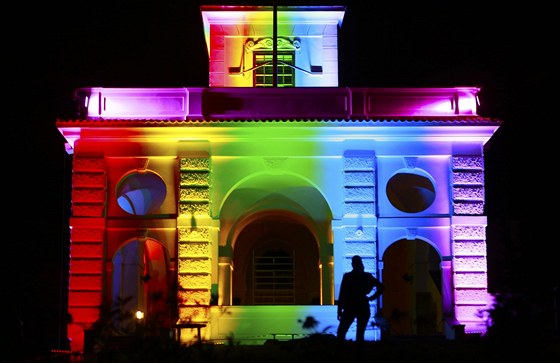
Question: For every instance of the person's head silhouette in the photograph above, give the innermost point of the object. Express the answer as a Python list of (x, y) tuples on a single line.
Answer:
[(357, 263)]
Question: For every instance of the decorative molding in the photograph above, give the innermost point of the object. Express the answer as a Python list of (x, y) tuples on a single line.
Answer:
[(410, 162), (268, 43), (411, 233), (142, 163), (274, 163)]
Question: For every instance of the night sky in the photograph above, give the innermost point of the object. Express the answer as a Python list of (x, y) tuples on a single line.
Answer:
[(55, 48)]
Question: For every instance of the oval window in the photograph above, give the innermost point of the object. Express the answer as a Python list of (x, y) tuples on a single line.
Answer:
[(410, 191), (141, 192)]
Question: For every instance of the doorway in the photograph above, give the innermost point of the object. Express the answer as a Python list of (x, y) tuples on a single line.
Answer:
[(276, 262), (412, 301)]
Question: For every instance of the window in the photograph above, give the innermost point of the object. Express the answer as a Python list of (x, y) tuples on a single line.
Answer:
[(411, 190), (141, 192), (273, 278), (264, 69)]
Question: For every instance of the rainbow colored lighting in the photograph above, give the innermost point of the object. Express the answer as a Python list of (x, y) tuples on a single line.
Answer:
[(181, 193)]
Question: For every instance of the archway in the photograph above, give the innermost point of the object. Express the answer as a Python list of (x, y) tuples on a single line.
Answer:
[(140, 283), (273, 216), (276, 262), (412, 302)]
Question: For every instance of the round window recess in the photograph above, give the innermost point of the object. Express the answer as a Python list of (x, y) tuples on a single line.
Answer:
[(141, 192), (411, 191)]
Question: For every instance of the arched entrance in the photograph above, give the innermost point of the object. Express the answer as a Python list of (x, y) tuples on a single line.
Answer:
[(140, 283), (412, 302), (278, 225), (276, 262)]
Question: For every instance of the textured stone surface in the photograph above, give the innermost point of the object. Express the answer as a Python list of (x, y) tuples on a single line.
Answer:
[(469, 248), (194, 163), (88, 180), (88, 210), (359, 233), (468, 208), (86, 234), (474, 295), (202, 193), (194, 249), (199, 208), (472, 263), (194, 265), (84, 298), (190, 314), (469, 312), (89, 265), (359, 163), (87, 314), (471, 279), (468, 192), (194, 234), (88, 164), (359, 194), (78, 249), (194, 297), (85, 282), (359, 178), (194, 178), (469, 232), (468, 177), (191, 281), (88, 195), (360, 248), (467, 162), (359, 208)]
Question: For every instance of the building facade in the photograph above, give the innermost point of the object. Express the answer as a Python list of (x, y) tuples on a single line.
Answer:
[(232, 211)]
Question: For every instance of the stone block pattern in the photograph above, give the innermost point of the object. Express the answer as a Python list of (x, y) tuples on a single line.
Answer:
[(85, 282), (359, 200), (469, 240), (359, 188), (89, 190), (216, 59), (194, 193), (469, 263), (87, 250), (195, 297), (465, 232), (473, 296), (468, 208), (469, 248), (468, 184), (89, 187), (194, 247), (469, 273), (468, 279)]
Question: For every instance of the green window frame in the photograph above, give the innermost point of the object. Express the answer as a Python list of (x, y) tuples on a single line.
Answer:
[(264, 69)]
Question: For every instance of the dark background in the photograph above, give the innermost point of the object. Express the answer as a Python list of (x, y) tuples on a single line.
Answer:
[(51, 49)]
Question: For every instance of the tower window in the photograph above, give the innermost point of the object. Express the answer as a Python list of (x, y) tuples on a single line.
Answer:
[(264, 71)]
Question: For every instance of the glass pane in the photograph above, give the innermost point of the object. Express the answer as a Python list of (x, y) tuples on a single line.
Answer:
[(285, 73)]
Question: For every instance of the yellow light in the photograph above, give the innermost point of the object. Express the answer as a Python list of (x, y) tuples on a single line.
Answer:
[(139, 315)]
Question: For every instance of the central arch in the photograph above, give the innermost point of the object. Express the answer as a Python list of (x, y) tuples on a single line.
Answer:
[(276, 232), (276, 262)]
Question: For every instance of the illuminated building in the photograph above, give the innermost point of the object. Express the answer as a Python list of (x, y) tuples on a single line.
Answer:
[(232, 211)]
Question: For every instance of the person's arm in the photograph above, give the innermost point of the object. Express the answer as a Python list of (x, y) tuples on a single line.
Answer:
[(379, 288), (341, 298)]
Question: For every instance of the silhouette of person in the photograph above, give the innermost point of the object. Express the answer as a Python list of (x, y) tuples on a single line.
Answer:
[(353, 300)]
